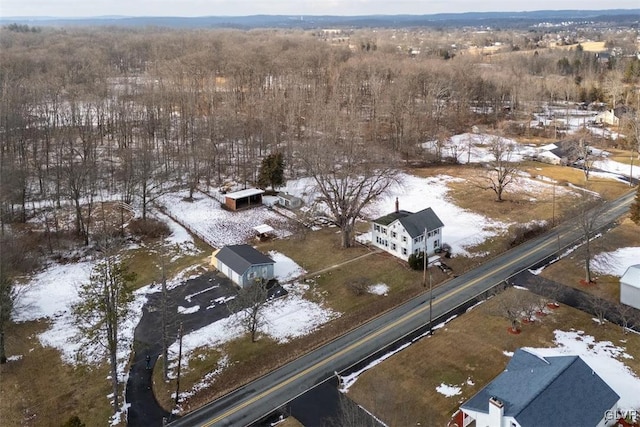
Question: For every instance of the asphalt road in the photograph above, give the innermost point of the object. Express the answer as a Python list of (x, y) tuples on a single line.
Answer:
[(260, 397)]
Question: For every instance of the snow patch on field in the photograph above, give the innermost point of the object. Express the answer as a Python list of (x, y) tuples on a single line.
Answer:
[(378, 289), (218, 227), (616, 263), (449, 390)]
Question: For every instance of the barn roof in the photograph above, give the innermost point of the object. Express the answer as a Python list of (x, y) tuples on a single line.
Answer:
[(240, 258), (244, 193)]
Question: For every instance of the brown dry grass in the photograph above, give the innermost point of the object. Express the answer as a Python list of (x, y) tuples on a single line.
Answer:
[(402, 391), (40, 390), (570, 270)]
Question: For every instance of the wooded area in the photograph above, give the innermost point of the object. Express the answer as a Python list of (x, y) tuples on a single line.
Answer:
[(96, 114)]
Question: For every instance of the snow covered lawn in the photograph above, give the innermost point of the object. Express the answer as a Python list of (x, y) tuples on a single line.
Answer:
[(616, 263), (219, 227), (462, 229)]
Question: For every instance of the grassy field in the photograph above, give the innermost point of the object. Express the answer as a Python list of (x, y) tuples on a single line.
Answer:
[(468, 352), (40, 390), (31, 379)]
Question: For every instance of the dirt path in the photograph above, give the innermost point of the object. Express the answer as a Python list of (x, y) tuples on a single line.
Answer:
[(333, 267)]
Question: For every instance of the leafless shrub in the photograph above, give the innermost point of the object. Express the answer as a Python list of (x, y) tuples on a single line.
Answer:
[(150, 228)]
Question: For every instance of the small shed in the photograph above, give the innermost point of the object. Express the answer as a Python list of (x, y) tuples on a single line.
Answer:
[(264, 231), (630, 287), (244, 265), (243, 199), (288, 201)]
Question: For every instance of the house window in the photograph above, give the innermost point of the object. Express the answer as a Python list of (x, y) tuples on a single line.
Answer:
[(404, 251), (376, 227), (436, 244), (384, 230), (393, 246), (394, 234), (404, 239)]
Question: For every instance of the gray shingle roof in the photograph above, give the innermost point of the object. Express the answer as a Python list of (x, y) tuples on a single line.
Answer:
[(551, 391), (240, 257), (414, 223), (389, 218), (417, 222)]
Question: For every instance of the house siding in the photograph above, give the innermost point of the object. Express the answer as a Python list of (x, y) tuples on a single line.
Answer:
[(397, 241), (264, 271)]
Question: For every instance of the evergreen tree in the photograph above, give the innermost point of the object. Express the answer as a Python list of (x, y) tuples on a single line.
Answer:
[(272, 171), (634, 210), (102, 309)]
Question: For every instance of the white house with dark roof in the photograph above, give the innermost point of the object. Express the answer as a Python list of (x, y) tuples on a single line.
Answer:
[(542, 391), (402, 233), (630, 287), (243, 264)]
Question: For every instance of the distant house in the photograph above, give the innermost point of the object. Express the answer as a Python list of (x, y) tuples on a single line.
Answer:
[(289, 201), (611, 117), (402, 233), (243, 264), (243, 199), (560, 153), (630, 287), (542, 391)]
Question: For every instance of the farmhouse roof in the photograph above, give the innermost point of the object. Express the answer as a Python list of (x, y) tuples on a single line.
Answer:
[(244, 193), (389, 218), (550, 391), (414, 223), (631, 277), (240, 258)]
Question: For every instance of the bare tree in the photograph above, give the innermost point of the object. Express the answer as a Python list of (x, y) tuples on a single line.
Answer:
[(502, 169), (590, 211), (348, 176), (628, 317), (249, 304), (596, 306), (351, 415)]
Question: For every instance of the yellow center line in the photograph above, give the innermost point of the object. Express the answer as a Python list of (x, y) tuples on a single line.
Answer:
[(374, 335)]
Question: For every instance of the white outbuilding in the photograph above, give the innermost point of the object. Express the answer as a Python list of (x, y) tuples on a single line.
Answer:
[(630, 287)]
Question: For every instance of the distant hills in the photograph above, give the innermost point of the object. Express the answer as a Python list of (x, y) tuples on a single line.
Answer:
[(492, 19)]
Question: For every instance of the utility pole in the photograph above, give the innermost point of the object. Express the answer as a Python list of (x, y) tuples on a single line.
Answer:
[(553, 208), (179, 364), (424, 278), (165, 333), (631, 171)]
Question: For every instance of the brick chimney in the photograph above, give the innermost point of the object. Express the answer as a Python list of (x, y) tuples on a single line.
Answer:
[(397, 205)]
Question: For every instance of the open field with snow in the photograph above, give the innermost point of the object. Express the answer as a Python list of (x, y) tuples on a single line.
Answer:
[(469, 351), (471, 219), (613, 253)]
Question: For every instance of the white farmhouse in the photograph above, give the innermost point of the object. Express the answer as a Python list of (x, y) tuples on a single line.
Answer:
[(402, 233), (630, 287)]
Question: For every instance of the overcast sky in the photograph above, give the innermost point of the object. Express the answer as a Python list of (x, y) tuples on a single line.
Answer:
[(74, 8)]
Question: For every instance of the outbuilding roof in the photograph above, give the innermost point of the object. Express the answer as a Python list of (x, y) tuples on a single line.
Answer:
[(549, 391), (631, 277), (244, 193), (240, 258)]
